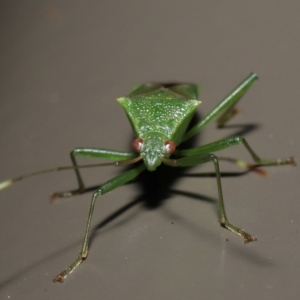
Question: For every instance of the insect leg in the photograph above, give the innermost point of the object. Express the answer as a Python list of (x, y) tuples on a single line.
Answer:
[(106, 187), (232, 141), (91, 152), (204, 158), (226, 106)]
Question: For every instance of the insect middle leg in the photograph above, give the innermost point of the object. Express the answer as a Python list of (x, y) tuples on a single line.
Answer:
[(95, 153)]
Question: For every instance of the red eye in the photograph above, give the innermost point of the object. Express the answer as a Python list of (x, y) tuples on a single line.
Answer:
[(137, 144), (170, 147)]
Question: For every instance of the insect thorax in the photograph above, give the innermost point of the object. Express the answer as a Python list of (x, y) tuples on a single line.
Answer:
[(161, 110)]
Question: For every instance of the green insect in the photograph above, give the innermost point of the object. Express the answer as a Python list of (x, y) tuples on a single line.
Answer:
[(160, 115)]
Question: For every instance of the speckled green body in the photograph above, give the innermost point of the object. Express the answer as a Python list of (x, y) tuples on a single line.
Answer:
[(161, 108), (158, 113)]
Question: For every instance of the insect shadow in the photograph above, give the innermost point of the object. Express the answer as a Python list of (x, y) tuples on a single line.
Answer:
[(155, 188)]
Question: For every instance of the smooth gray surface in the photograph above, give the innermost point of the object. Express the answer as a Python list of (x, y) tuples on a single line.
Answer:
[(63, 64)]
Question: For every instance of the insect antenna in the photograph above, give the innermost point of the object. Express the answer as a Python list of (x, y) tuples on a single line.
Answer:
[(9, 182), (240, 163), (244, 165)]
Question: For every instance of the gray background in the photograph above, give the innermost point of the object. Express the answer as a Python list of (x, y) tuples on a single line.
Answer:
[(63, 64)]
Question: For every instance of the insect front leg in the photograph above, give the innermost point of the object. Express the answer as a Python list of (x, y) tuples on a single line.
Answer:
[(106, 187), (95, 153), (204, 158), (233, 141)]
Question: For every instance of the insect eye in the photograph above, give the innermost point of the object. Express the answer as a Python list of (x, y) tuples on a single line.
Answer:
[(169, 147), (137, 144)]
